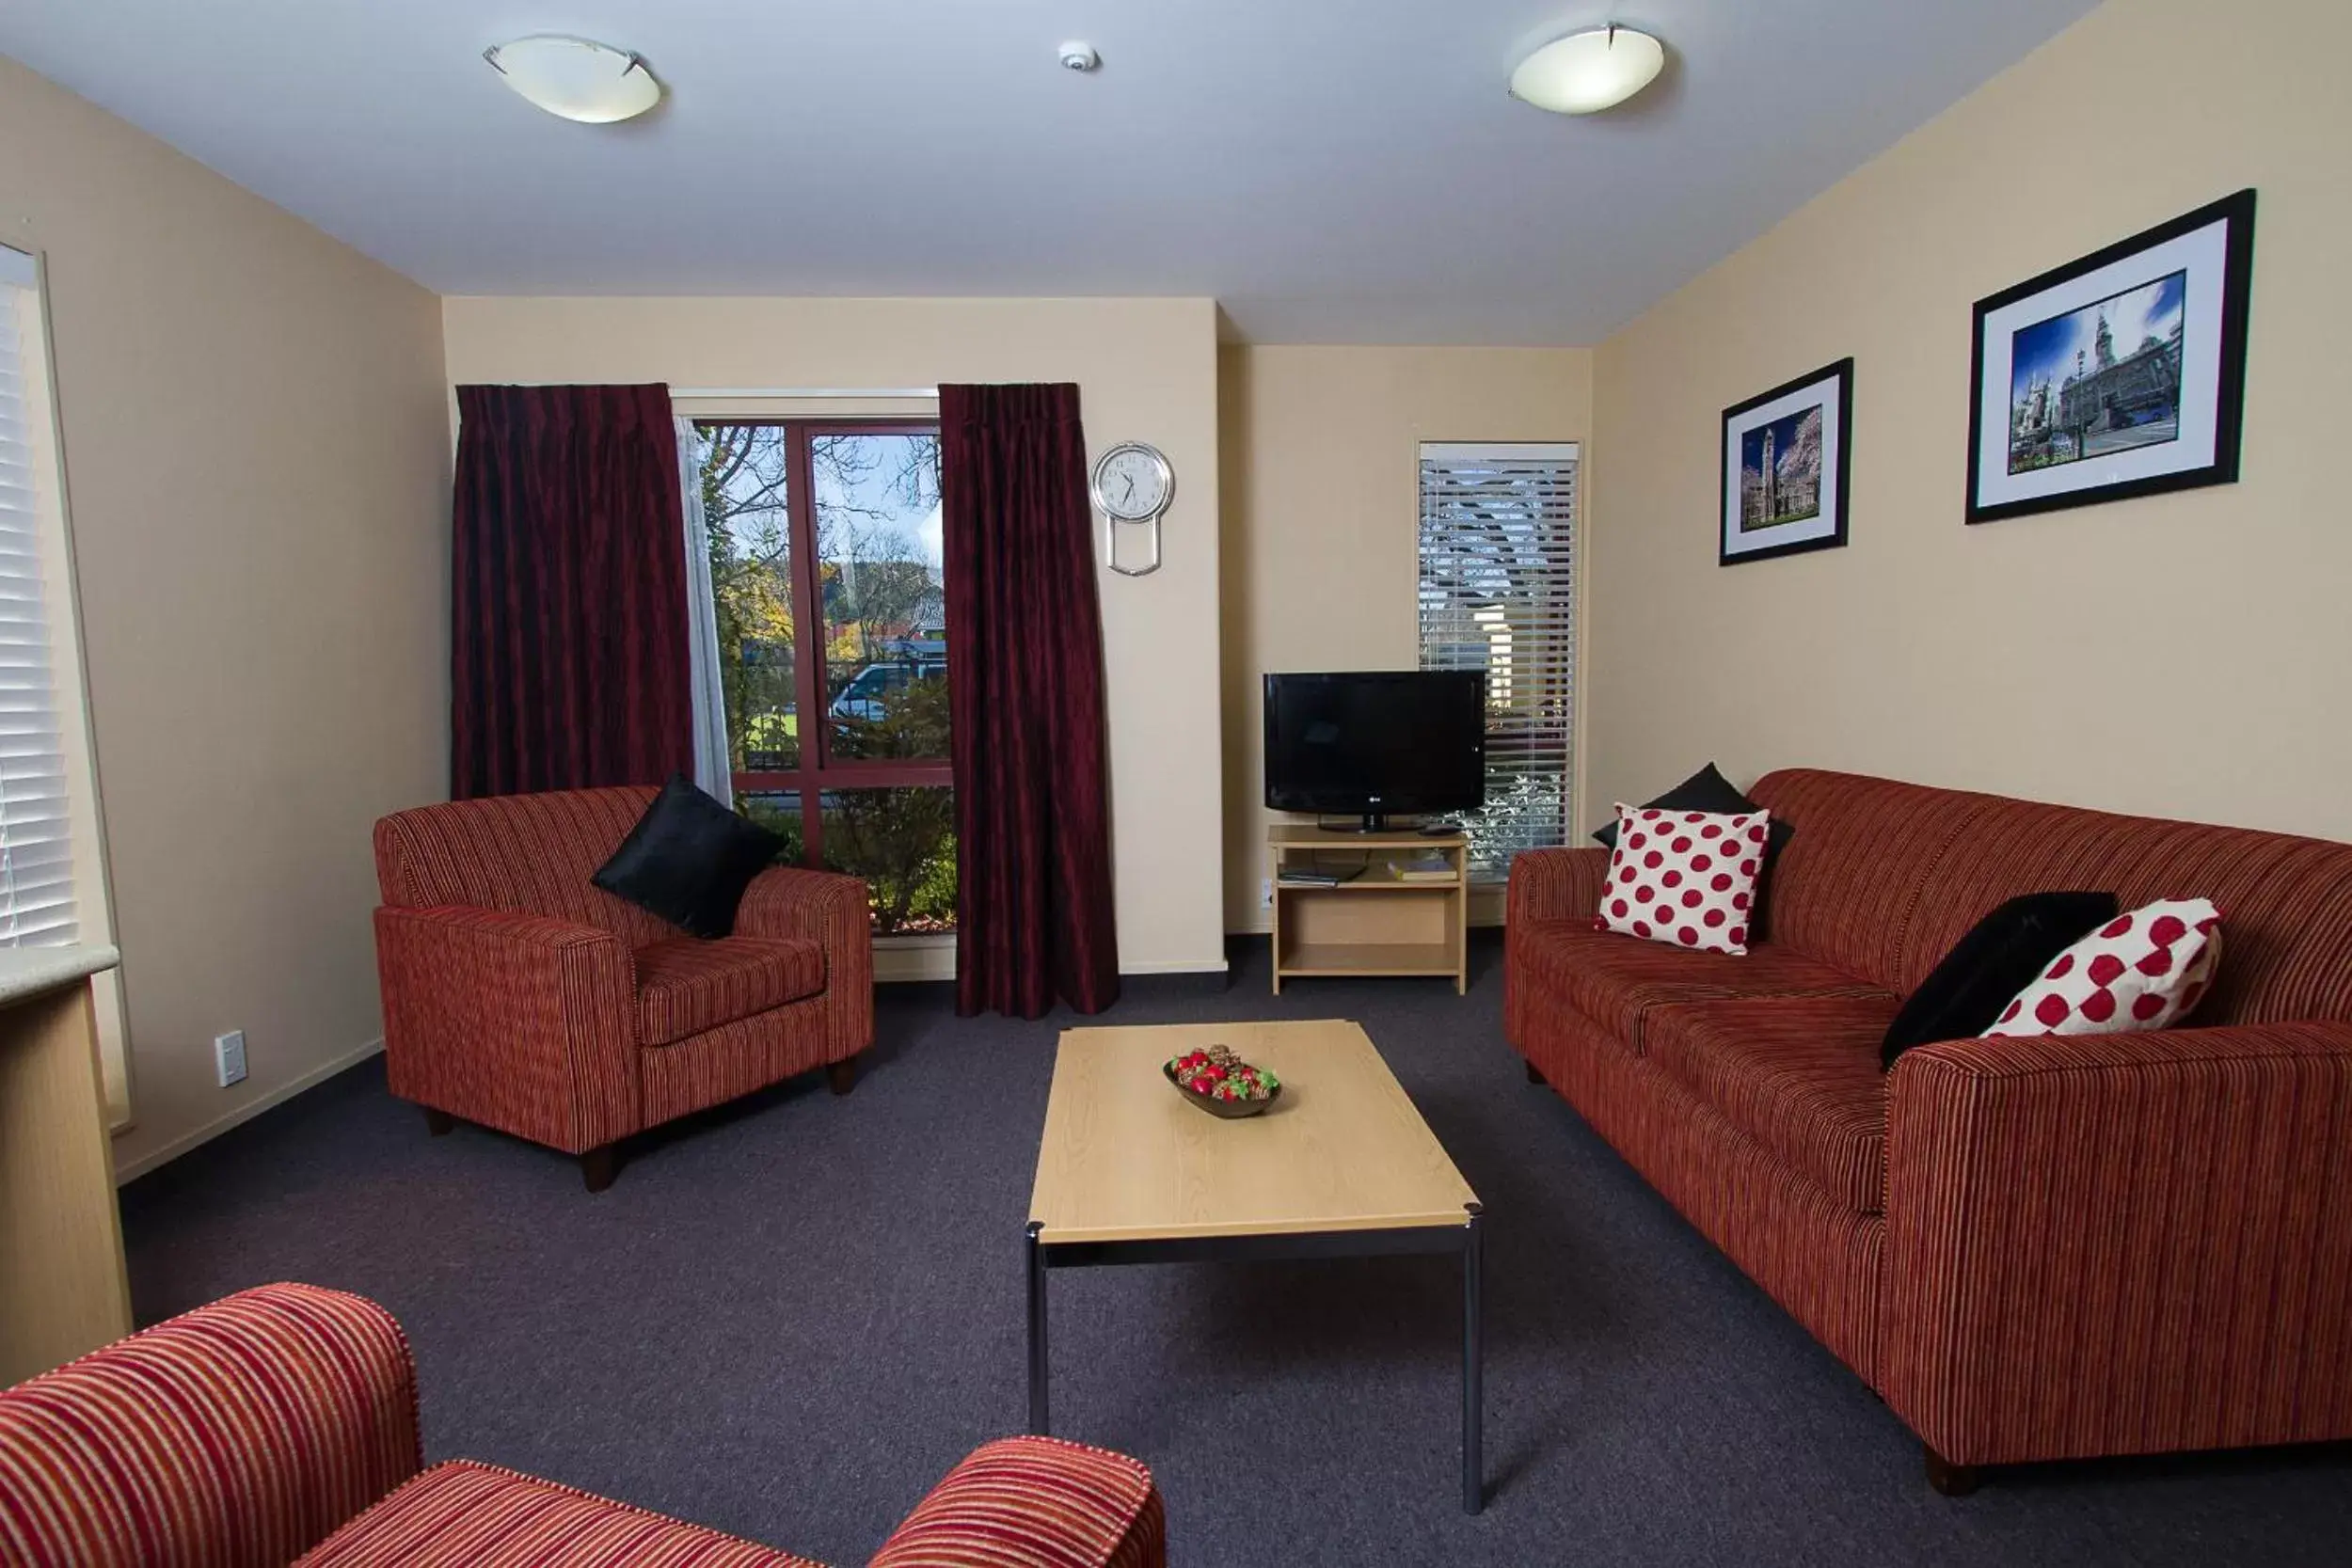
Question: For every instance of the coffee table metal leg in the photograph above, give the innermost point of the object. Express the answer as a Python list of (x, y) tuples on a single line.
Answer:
[(1473, 1365), (1036, 1260)]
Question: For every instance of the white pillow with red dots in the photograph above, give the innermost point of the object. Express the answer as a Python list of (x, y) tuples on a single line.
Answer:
[(2144, 970), (1685, 877)]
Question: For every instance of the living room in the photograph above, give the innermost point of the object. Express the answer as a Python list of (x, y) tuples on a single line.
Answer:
[(1155, 357)]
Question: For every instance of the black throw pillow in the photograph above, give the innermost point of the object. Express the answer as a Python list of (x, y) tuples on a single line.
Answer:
[(1707, 790), (2001, 955), (689, 860)]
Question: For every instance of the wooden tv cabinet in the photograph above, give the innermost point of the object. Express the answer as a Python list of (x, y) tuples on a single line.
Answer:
[(1375, 923)]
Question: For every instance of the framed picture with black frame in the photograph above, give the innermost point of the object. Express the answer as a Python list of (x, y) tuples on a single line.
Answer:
[(2120, 374), (1786, 457)]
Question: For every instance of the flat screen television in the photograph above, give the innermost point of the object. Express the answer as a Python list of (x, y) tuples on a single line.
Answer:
[(1368, 743)]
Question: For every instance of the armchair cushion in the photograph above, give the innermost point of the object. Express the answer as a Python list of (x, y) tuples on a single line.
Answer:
[(687, 985), (689, 860), (483, 1516)]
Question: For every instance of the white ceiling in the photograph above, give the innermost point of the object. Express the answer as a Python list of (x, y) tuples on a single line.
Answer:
[(1331, 170)]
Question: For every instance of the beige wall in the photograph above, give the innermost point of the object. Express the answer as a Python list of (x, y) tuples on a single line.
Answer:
[(2187, 654), (258, 467), (1322, 517), (1146, 370)]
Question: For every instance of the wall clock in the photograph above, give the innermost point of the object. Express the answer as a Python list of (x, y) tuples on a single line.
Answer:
[(1133, 483)]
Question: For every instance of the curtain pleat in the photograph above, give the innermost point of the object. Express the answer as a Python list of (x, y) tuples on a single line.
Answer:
[(1034, 917), (713, 769), (569, 663)]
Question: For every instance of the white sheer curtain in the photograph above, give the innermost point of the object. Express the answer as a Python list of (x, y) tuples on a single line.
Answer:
[(702, 623)]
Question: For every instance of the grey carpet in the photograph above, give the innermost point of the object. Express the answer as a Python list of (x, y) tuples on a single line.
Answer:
[(789, 1317)]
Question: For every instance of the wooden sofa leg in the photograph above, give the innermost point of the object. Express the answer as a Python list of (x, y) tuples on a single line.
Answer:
[(1532, 1075), (1947, 1478), (599, 1166), (841, 1077), (439, 1123)]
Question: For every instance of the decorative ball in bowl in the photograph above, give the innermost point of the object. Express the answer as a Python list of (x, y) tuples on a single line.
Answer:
[(1221, 1083)]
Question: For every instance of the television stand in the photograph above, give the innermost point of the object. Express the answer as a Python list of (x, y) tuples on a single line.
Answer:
[(1371, 822), (1376, 922)]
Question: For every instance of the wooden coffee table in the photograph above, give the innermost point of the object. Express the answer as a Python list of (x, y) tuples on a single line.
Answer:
[(1343, 1167)]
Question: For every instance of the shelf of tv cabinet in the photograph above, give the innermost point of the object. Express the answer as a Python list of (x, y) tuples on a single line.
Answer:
[(1367, 957), (1416, 928)]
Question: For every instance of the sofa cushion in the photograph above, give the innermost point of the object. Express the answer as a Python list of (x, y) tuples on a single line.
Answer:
[(1704, 791), (687, 985), (1615, 980), (1998, 958), (2147, 969), (486, 1517), (1687, 877), (1800, 1075)]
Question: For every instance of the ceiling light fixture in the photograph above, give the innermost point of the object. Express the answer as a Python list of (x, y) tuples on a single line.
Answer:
[(1588, 72), (577, 78)]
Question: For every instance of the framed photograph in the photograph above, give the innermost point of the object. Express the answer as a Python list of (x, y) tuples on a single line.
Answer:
[(1786, 462), (2120, 374)]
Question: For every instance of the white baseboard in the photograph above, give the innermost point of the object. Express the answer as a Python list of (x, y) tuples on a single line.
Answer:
[(245, 1112), (1175, 966)]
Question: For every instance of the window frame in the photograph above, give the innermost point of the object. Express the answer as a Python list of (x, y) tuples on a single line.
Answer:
[(819, 769), (93, 895)]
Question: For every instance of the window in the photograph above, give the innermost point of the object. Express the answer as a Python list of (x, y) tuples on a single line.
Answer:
[(37, 895), (1498, 594), (826, 572), (53, 884)]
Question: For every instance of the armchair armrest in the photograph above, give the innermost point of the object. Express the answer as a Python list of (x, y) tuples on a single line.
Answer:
[(1035, 1503), (788, 901), (2121, 1244), (243, 1432), (516, 1020), (1556, 884)]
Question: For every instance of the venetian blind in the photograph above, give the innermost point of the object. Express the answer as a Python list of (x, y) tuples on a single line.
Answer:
[(36, 853), (1497, 562)]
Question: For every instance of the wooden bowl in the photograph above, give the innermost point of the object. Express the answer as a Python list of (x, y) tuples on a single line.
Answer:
[(1230, 1110)]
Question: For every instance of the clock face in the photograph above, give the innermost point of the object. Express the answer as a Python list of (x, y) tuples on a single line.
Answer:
[(1132, 483)]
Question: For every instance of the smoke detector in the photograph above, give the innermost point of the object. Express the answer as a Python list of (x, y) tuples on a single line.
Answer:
[(1079, 56)]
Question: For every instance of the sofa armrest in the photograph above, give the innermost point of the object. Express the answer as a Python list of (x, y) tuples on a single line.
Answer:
[(787, 901), (1556, 884), (1035, 1503), (2122, 1244), (515, 1021), (243, 1432)]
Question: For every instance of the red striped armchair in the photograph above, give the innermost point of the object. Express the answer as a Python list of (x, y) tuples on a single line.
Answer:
[(518, 995), (280, 1425)]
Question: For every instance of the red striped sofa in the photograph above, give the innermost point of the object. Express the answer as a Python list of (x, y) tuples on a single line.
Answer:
[(280, 1425), (519, 995), (2032, 1249)]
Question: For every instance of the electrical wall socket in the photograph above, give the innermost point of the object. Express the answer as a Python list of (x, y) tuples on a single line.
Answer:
[(1265, 894), (228, 1057)]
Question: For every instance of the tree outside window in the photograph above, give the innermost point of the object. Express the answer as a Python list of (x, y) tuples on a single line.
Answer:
[(827, 575)]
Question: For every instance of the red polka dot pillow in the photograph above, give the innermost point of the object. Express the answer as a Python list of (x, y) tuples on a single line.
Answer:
[(1686, 878), (2145, 970)]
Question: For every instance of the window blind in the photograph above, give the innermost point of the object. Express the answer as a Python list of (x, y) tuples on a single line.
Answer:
[(1498, 594), (36, 826)]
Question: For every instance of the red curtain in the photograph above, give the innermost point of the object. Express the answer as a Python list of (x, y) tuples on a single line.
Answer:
[(569, 665), (1025, 685)]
